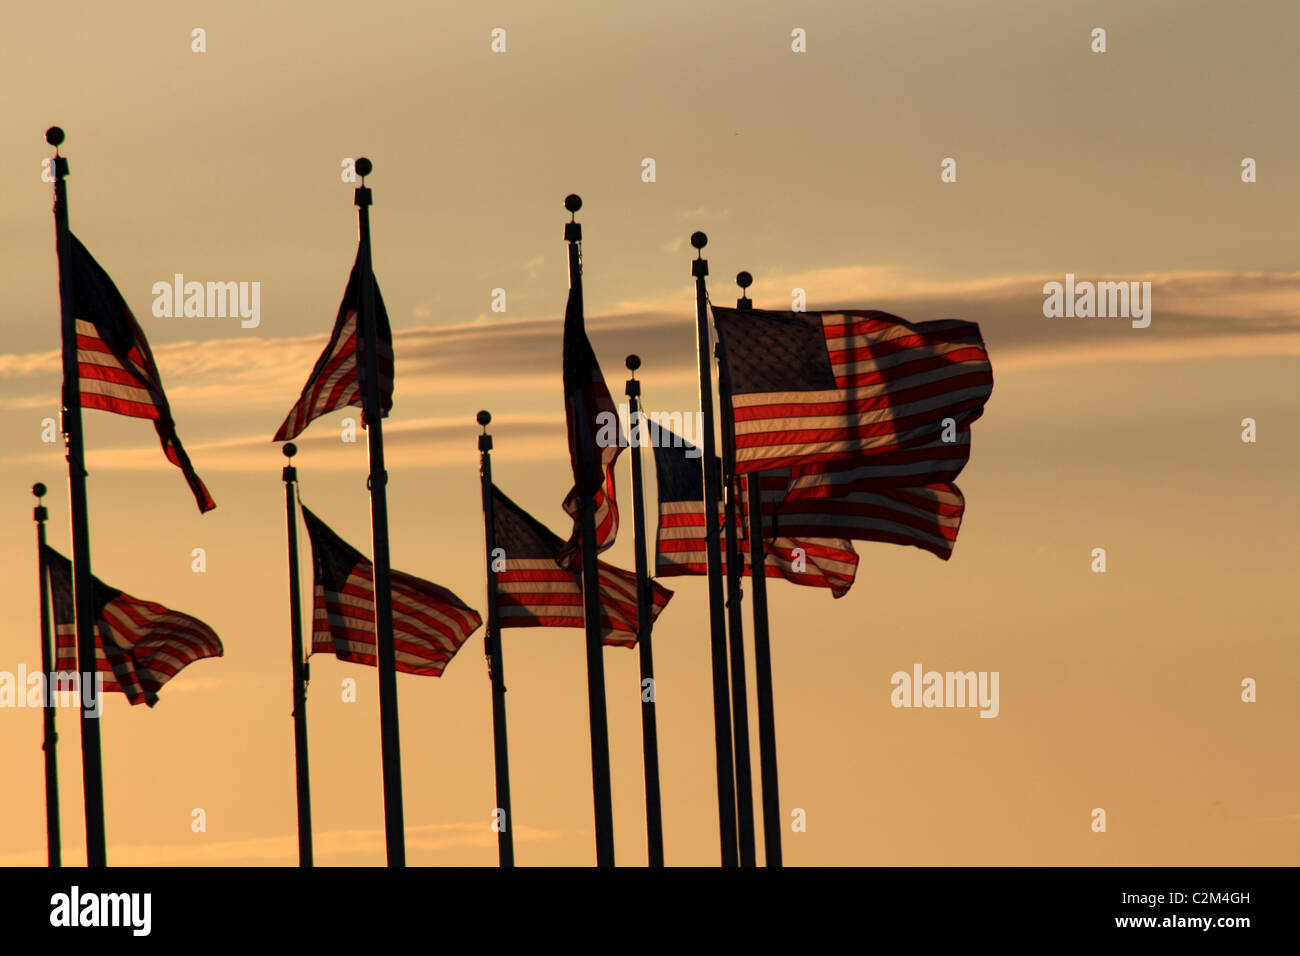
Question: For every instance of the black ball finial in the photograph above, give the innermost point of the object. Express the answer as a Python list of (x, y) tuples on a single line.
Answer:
[(54, 136), (699, 240), (39, 490), (744, 280), (484, 418), (364, 166), (290, 450), (573, 202), (633, 362)]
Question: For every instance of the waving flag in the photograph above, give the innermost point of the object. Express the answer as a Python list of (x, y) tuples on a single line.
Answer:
[(812, 388), (534, 590), (429, 622), (334, 382), (680, 547), (927, 517), (139, 645), (114, 364), (595, 436)]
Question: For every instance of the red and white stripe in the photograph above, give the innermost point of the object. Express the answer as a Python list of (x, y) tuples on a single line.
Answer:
[(537, 592), (115, 367), (812, 562), (896, 382), (429, 622), (334, 382), (927, 517), (139, 645)]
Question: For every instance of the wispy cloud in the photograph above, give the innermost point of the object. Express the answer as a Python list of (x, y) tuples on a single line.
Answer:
[(1195, 315), (336, 845), (422, 442)]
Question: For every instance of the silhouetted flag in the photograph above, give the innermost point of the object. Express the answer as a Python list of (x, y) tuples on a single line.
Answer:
[(534, 590), (334, 383), (429, 622), (822, 387), (114, 363), (927, 517), (139, 645), (594, 436), (680, 545)]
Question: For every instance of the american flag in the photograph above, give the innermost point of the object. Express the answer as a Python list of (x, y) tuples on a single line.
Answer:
[(115, 367), (139, 645), (595, 435), (820, 387), (534, 590), (429, 622), (334, 382), (680, 544), (927, 517)]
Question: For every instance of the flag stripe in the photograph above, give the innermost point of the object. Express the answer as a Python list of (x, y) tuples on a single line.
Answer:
[(115, 367), (588, 410), (826, 561), (429, 622), (139, 645), (334, 381), (534, 590), (822, 388)]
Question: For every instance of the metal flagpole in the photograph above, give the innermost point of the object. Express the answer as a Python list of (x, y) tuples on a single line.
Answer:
[(50, 737), (762, 647), (654, 822), (736, 634), (492, 648), (299, 671), (600, 785), (92, 774), (386, 652), (717, 626)]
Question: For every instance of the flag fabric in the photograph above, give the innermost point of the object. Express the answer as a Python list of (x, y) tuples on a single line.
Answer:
[(334, 382), (139, 645), (927, 517), (595, 435), (429, 622), (861, 503), (810, 388), (115, 367), (535, 590), (680, 542)]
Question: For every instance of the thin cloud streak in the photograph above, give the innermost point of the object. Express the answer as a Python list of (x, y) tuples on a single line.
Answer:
[(1195, 315), (283, 849), (427, 442)]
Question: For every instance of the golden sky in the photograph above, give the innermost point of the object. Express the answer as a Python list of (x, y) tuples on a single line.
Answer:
[(816, 170)]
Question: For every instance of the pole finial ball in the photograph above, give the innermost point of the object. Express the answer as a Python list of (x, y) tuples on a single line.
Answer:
[(290, 450), (364, 166), (54, 136), (484, 418), (573, 202), (633, 362), (699, 240), (39, 490), (744, 280)]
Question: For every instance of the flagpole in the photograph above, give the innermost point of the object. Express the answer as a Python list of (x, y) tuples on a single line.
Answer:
[(654, 822), (300, 673), (386, 652), (717, 626), (492, 648), (762, 646), (736, 638), (92, 774), (600, 785), (50, 737)]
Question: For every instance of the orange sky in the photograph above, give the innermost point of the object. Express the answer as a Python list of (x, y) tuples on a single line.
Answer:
[(817, 171)]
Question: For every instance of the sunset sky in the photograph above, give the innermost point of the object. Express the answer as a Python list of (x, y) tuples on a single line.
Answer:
[(817, 171)]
